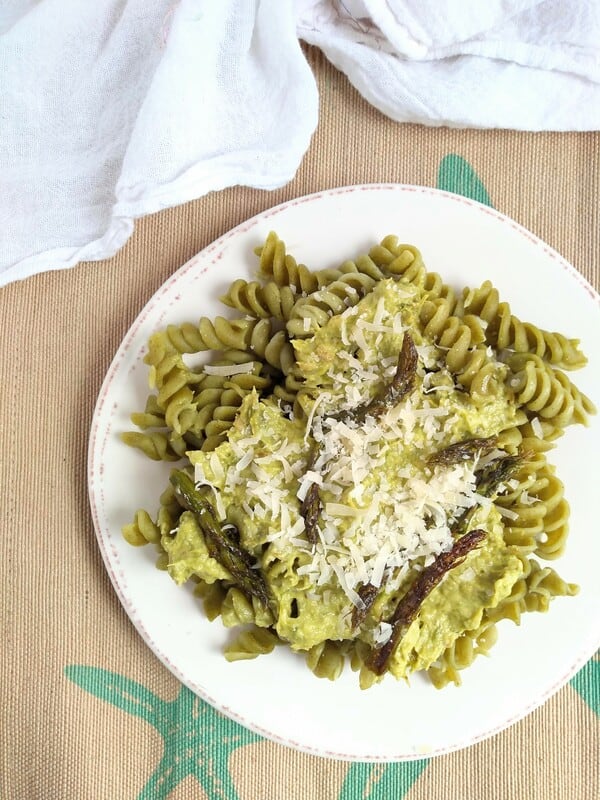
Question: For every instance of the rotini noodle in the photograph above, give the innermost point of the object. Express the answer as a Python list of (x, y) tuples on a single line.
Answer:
[(326, 660), (251, 644), (256, 300), (277, 264), (142, 530), (506, 332), (313, 312)]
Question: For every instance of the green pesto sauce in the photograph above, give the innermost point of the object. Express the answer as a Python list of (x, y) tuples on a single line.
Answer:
[(308, 614), (483, 580), (188, 554)]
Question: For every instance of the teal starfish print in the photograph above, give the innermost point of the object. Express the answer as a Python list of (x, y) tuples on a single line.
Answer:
[(197, 739), (587, 684), (381, 781), (458, 176)]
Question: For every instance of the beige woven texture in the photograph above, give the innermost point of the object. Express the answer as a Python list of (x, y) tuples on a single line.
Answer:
[(59, 332)]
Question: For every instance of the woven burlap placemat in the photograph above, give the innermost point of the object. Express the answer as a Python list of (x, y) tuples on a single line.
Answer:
[(87, 710)]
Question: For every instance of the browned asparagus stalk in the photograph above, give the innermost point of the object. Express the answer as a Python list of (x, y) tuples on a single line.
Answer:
[(237, 561), (409, 605), (402, 384), (311, 511), (466, 450), (367, 593)]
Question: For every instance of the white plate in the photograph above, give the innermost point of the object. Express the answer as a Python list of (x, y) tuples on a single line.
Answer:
[(277, 695)]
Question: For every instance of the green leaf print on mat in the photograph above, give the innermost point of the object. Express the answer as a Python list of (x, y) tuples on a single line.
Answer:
[(197, 739), (380, 781), (587, 684), (458, 176)]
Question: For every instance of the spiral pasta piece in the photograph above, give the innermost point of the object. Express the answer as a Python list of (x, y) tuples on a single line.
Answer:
[(165, 349), (539, 437), (325, 660), (582, 405), (152, 416), (256, 300), (251, 644), (275, 263), (532, 592), (173, 381), (543, 584), (142, 530), (434, 316), (156, 445), (462, 653), (358, 654), (191, 408), (213, 595), (512, 606), (399, 260), (207, 415), (466, 358), (237, 609), (185, 338), (180, 410), (222, 416), (541, 522), (510, 440), (482, 301), (536, 387), (507, 332), (312, 312), (289, 393), (190, 412), (223, 333), (170, 376), (170, 505), (275, 348), (436, 289), (523, 531), (553, 540)]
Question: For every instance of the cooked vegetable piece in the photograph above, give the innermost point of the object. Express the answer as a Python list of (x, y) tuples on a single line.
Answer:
[(463, 451), (402, 383), (220, 544), (408, 607), (487, 482), (367, 593), (311, 511), (489, 478)]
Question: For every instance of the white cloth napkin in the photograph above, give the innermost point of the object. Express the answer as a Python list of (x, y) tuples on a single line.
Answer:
[(114, 109)]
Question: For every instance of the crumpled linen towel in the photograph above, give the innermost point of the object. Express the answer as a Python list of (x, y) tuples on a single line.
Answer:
[(117, 109)]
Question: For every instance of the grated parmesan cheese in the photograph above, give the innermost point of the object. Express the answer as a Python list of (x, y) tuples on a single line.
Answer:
[(536, 427), (228, 370), (508, 513), (383, 510), (382, 633), (359, 338)]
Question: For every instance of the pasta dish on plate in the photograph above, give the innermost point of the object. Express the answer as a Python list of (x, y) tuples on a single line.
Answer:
[(359, 468)]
